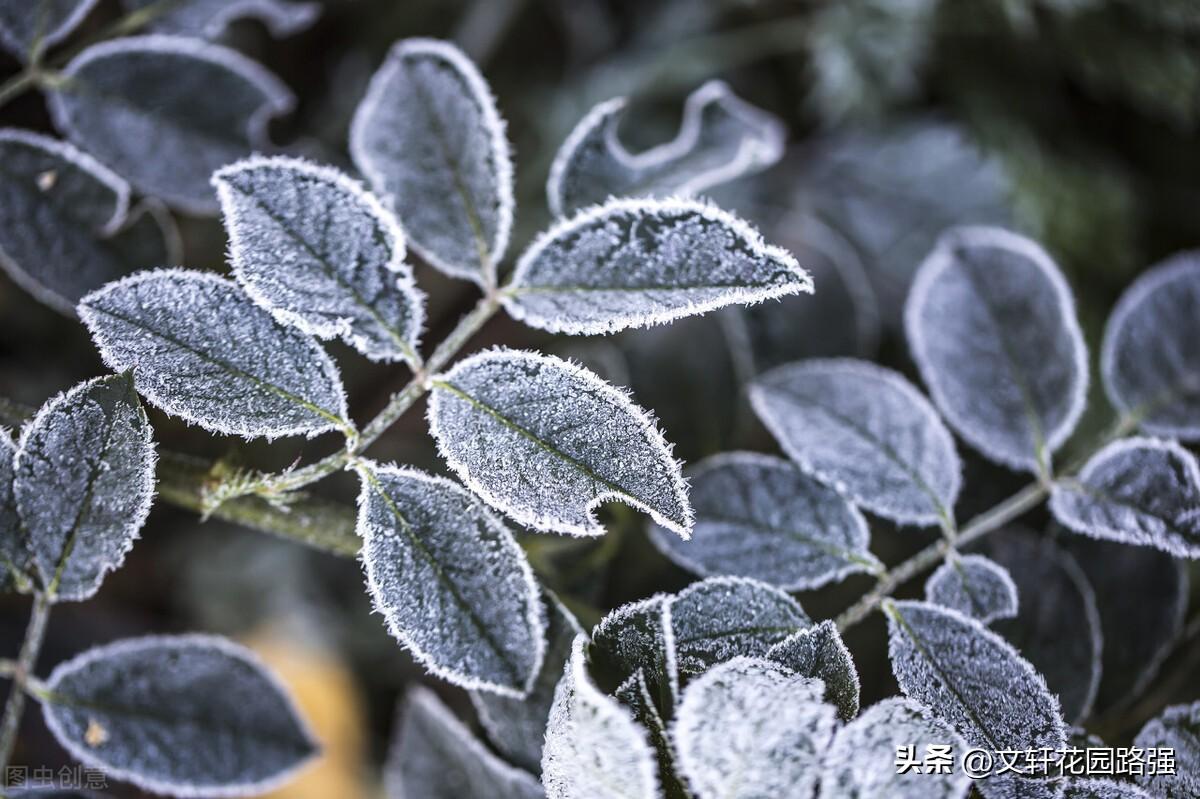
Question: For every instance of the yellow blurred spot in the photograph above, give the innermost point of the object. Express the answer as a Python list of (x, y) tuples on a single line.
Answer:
[(95, 735), (47, 179)]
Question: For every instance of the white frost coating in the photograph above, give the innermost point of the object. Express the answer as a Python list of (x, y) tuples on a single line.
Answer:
[(233, 729), (865, 431), (14, 547), (1178, 728), (971, 678), (447, 171), (974, 586), (311, 246), (819, 652), (720, 618), (637, 637), (761, 517), (139, 102), (721, 138), (450, 580), (435, 756), (1149, 360), (83, 483), (172, 328), (211, 18), (1140, 491), (641, 262), (861, 762), (1102, 789), (594, 749), (46, 22), (991, 324), (750, 729), (547, 442)]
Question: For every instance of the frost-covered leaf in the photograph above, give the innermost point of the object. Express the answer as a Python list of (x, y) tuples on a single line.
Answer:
[(974, 586), (65, 224), (166, 112), (636, 695), (634, 263), (1150, 361), (720, 139), (819, 652), (861, 762), (1057, 626), (1142, 597), (434, 756), (749, 729), (84, 481), (634, 638), (1177, 728), (308, 244), (991, 324), (211, 18), (428, 137), (517, 726), (865, 431), (14, 549), (1136, 491), (971, 678), (547, 442), (450, 580), (761, 517), (720, 618), (199, 348), (1102, 789), (594, 749), (29, 25), (190, 715)]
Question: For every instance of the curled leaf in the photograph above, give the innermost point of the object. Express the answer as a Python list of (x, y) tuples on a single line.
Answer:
[(721, 138), (865, 431), (211, 18), (201, 349), (309, 245), (819, 652), (14, 546), (547, 442), (231, 729), (635, 639), (1137, 491), (198, 105), (974, 586), (429, 139), (634, 263), (1149, 360), (761, 517), (991, 324), (450, 580)]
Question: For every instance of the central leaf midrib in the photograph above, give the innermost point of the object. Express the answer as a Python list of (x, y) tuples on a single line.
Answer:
[(825, 546), (1099, 494)]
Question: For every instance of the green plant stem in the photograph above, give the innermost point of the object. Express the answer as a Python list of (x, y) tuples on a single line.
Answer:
[(35, 633), (17, 85)]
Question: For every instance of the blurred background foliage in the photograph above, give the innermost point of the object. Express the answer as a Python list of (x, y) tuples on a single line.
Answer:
[(1075, 121)]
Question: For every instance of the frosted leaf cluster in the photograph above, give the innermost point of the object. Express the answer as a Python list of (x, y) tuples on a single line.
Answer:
[(1178, 728), (320, 253), (638, 262), (430, 141), (200, 348), (720, 139), (819, 652), (1137, 491), (450, 580), (857, 760), (1149, 360), (434, 756), (594, 749), (83, 484), (974, 586), (66, 227), (546, 442), (749, 729), (26, 25), (865, 431), (991, 324), (165, 112), (761, 517), (517, 726), (719, 618), (230, 730), (211, 18)]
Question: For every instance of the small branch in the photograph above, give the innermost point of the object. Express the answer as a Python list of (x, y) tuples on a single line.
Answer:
[(35, 633), (17, 85)]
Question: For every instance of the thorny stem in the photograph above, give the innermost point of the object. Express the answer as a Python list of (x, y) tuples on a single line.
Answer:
[(35, 633)]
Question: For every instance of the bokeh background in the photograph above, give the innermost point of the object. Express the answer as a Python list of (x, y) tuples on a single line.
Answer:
[(1074, 121)]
